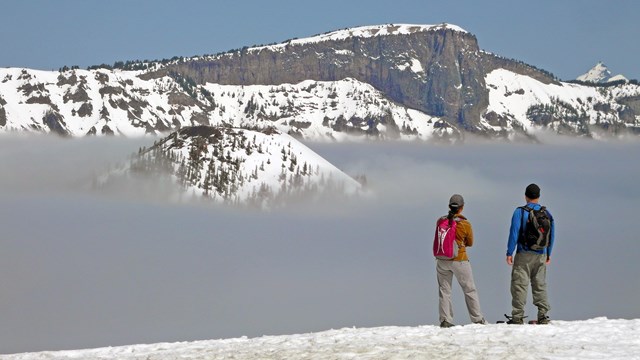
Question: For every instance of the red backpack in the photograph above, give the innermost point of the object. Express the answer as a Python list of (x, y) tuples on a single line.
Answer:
[(445, 246)]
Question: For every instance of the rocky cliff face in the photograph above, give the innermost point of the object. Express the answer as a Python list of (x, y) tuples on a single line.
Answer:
[(438, 70)]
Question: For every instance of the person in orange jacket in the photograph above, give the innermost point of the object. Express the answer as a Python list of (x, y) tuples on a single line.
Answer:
[(460, 267)]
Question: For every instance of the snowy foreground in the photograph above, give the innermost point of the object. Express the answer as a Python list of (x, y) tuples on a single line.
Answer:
[(598, 338)]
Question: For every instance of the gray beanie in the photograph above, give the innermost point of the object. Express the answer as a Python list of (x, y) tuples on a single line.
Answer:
[(456, 200)]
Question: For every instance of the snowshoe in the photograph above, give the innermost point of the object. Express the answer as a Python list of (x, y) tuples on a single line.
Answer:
[(512, 321)]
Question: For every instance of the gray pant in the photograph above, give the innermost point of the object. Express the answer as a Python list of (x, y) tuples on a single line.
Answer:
[(462, 271), (529, 268)]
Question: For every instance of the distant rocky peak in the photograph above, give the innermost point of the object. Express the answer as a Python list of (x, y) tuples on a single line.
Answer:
[(599, 74)]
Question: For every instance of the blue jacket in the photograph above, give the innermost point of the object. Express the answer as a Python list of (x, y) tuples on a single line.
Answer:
[(517, 221)]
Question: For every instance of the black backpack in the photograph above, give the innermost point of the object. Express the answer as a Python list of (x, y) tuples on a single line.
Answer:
[(535, 234)]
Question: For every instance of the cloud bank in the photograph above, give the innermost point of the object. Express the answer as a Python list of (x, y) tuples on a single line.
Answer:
[(80, 269)]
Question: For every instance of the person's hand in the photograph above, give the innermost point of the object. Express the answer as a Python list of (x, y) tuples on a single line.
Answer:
[(510, 260), (548, 260)]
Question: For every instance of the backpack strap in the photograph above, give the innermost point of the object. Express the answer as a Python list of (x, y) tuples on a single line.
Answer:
[(525, 209), (457, 219)]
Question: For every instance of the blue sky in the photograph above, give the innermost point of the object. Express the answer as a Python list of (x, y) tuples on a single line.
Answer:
[(565, 37)]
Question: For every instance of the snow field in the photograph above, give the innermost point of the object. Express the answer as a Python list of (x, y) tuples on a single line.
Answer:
[(598, 338)]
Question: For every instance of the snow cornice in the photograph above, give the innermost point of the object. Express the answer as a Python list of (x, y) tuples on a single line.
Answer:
[(364, 32)]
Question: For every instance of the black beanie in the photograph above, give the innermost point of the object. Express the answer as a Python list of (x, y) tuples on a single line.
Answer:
[(532, 191)]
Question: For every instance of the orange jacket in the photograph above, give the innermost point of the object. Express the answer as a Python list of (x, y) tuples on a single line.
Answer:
[(464, 238)]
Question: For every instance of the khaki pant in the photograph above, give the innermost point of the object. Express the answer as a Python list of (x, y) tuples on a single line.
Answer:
[(529, 268), (462, 271)]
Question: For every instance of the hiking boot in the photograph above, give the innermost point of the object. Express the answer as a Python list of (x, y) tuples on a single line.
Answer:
[(543, 320), (515, 320), (446, 324), (481, 322)]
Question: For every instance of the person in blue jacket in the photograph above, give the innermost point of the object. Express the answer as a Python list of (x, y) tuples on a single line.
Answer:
[(528, 266)]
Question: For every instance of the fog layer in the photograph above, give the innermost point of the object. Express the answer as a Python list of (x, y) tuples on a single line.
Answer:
[(81, 269)]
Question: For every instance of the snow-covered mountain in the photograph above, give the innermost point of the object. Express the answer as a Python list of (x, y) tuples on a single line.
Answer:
[(102, 102), (392, 81), (261, 169), (600, 74), (598, 338), (520, 102)]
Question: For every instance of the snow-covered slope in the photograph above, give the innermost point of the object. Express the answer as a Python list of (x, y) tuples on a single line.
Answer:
[(618, 77), (340, 110), (103, 102), (520, 102), (81, 102), (236, 166), (598, 338)]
